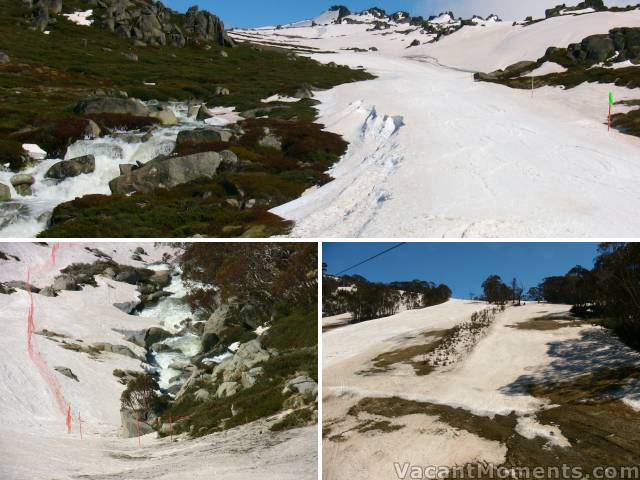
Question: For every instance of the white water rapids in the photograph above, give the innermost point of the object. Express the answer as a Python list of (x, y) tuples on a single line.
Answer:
[(170, 312), (27, 216)]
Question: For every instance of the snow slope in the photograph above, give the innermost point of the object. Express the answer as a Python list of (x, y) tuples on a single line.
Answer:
[(33, 436), (435, 154), (482, 383)]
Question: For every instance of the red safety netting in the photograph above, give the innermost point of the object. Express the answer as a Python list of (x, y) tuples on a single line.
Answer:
[(45, 371)]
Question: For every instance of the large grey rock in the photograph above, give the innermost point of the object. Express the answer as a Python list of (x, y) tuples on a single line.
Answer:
[(249, 378), (65, 282), (301, 384), (270, 140), (252, 353), (598, 48), (201, 136), (155, 335), (4, 58), (125, 106), (92, 130), (5, 193), (131, 426), (214, 326), (201, 26), (229, 158), (161, 278), (227, 389), (165, 116), (167, 172), (22, 183), (72, 168), (202, 395)]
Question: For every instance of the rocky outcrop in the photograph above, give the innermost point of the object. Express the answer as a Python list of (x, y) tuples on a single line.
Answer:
[(597, 5), (242, 364), (618, 45), (4, 58), (132, 426), (153, 24), (201, 26), (72, 168), (168, 172)]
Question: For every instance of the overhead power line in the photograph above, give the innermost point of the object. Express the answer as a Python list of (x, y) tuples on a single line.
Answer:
[(374, 257)]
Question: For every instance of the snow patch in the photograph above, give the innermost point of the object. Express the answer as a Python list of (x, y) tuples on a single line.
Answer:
[(34, 151), (280, 98), (530, 428), (80, 18)]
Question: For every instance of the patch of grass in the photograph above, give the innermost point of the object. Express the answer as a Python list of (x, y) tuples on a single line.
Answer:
[(498, 429), (409, 356), (52, 72), (197, 208), (296, 419), (549, 322), (293, 327), (384, 426)]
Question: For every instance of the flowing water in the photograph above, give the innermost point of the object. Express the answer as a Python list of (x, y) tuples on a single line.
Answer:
[(28, 216), (170, 312)]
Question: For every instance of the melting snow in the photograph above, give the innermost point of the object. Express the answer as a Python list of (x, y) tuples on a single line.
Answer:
[(80, 18)]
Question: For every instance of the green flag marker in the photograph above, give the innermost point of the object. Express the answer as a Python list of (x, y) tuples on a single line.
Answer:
[(610, 98)]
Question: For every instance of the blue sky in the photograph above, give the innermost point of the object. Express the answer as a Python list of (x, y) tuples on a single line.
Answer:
[(462, 266), (254, 13)]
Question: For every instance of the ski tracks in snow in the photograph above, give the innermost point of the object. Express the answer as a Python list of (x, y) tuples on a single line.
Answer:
[(349, 203)]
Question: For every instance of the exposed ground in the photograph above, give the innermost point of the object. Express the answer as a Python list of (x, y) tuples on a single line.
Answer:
[(537, 388)]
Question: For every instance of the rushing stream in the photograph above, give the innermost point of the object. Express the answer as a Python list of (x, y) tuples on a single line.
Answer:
[(170, 312), (28, 216)]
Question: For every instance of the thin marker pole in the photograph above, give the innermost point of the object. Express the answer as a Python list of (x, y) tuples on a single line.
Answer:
[(532, 86), (80, 423), (138, 427), (610, 108)]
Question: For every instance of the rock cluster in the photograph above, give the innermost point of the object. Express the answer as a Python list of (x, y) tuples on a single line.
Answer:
[(146, 23), (153, 24)]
